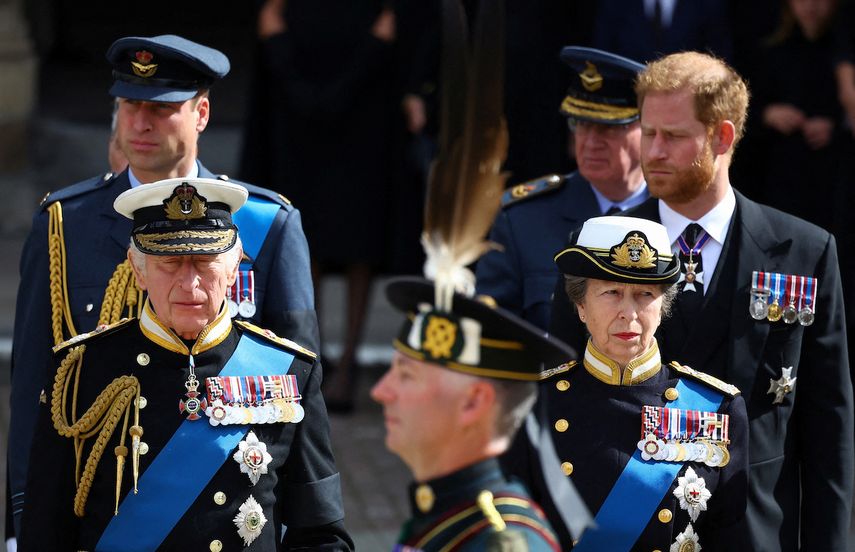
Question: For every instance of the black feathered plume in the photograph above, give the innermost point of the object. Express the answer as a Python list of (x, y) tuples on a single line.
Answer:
[(466, 182)]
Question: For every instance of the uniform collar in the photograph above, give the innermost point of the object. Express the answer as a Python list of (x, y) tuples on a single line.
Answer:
[(211, 335), (440, 494), (636, 198), (639, 369)]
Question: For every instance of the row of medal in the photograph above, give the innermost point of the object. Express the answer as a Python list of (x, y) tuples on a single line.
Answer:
[(240, 298), (784, 297), (678, 435), (253, 400)]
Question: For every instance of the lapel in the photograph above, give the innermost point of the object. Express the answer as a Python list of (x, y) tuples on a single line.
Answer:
[(760, 247)]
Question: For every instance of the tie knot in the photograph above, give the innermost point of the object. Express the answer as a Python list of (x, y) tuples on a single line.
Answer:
[(613, 210), (691, 233)]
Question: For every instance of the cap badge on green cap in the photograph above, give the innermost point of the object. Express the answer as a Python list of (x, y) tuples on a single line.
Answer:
[(185, 204), (441, 337), (592, 80), (634, 252), (143, 67)]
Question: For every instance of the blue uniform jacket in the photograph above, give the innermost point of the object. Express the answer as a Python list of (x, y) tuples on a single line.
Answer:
[(531, 229), (96, 240)]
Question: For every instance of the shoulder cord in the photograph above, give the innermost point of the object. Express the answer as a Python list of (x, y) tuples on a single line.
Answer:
[(122, 292), (58, 278), (113, 403)]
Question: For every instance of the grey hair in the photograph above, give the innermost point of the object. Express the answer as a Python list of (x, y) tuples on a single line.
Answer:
[(576, 286), (233, 256), (515, 400)]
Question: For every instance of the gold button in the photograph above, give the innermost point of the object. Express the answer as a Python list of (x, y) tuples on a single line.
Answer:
[(142, 402), (143, 359), (567, 468), (665, 515), (562, 385), (215, 546), (143, 448), (562, 425), (671, 394), (220, 498)]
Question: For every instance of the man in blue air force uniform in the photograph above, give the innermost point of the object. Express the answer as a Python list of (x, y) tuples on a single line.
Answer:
[(183, 428), (73, 256), (537, 217)]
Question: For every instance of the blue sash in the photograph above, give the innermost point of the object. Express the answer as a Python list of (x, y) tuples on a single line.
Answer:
[(167, 488), (254, 220), (641, 486)]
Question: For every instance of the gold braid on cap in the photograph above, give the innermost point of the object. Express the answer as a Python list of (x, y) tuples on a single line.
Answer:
[(466, 183), (101, 419), (122, 293), (59, 304)]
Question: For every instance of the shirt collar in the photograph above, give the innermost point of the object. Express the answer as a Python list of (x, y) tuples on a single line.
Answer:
[(715, 222), (637, 370), (637, 198), (210, 336), (194, 172)]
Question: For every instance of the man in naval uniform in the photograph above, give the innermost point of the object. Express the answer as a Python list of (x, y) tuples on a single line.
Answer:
[(760, 305), (537, 217), (460, 384), (217, 427), (72, 271)]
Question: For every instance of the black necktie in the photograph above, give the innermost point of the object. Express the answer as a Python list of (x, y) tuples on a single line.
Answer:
[(613, 210), (692, 280)]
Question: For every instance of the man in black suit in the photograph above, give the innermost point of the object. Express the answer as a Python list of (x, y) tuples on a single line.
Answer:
[(787, 355)]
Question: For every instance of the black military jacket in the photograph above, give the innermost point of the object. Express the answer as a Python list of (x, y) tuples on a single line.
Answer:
[(299, 495), (596, 427)]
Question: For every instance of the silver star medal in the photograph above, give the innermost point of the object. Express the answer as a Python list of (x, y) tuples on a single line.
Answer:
[(687, 541), (253, 457), (216, 412), (690, 277), (692, 493), (780, 387), (250, 520)]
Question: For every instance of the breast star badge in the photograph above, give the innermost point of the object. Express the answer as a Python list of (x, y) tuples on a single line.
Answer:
[(687, 541), (253, 457), (250, 520), (782, 386), (692, 493)]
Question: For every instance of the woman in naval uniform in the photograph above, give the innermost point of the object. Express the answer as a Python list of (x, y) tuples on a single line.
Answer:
[(657, 450)]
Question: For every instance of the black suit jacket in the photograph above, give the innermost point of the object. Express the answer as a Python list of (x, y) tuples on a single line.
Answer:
[(800, 451)]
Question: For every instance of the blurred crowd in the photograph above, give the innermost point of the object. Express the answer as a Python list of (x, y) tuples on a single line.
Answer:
[(343, 109)]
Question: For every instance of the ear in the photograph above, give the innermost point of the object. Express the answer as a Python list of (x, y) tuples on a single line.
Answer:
[(203, 110), (723, 137), (477, 402), (233, 270), (137, 274), (580, 310)]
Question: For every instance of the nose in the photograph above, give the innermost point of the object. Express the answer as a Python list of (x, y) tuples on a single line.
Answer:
[(381, 392), (655, 147), (188, 276), (142, 119), (628, 308)]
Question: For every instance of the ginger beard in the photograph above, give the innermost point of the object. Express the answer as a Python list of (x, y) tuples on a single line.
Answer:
[(683, 185)]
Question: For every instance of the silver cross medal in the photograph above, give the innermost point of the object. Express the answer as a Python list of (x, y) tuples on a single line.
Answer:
[(782, 386), (690, 277)]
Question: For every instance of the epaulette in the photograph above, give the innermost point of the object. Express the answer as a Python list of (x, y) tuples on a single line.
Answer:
[(273, 338), (726, 388), (532, 188), (566, 367), (259, 191), (101, 330), (77, 189)]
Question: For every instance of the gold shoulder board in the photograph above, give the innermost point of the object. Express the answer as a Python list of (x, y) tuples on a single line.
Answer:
[(281, 341), (103, 329), (726, 388)]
